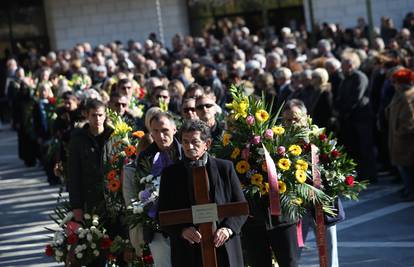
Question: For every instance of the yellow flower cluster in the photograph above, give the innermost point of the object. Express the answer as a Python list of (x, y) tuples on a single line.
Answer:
[(256, 179), (282, 187), (301, 165), (240, 108), (235, 153), (300, 176)]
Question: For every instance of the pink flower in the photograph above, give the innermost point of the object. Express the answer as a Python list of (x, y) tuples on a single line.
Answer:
[(268, 134), (281, 150), (256, 140), (250, 120), (245, 154)]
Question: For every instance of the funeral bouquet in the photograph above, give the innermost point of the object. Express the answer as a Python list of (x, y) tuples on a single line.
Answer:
[(120, 246), (250, 131), (120, 151), (144, 206), (336, 167), (76, 243)]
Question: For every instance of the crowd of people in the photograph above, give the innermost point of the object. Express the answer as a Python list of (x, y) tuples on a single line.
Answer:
[(362, 92)]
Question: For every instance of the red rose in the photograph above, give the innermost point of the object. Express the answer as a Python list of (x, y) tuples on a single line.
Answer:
[(111, 257), (148, 259), (72, 239), (106, 243), (349, 180), (324, 157), (306, 147), (49, 251), (323, 137), (335, 153)]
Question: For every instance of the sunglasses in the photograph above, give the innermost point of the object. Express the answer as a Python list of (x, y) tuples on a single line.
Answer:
[(161, 96), (202, 106), (186, 110)]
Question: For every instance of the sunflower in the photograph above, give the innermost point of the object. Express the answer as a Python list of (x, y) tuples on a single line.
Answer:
[(114, 185), (278, 130), (242, 167), (256, 179), (284, 164), (301, 165), (264, 188), (235, 153), (295, 150), (130, 150), (262, 115), (282, 187), (138, 134), (111, 175), (226, 139), (300, 176)]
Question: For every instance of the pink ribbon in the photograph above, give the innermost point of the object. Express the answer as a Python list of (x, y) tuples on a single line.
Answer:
[(320, 224), (274, 198)]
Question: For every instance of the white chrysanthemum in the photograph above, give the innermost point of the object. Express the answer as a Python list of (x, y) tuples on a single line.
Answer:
[(95, 222), (89, 237), (138, 210), (79, 255), (58, 259), (58, 253), (93, 246), (96, 253), (87, 216), (95, 217)]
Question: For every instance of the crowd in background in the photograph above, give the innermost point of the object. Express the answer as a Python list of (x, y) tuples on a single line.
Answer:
[(345, 82)]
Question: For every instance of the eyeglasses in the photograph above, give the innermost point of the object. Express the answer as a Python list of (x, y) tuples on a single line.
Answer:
[(202, 106), (187, 110), (161, 96)]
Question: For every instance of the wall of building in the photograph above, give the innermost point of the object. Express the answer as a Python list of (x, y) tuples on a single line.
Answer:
[(100, 21), (347, 12)]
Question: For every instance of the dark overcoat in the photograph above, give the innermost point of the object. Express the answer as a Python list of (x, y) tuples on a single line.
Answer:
[(224, 188)]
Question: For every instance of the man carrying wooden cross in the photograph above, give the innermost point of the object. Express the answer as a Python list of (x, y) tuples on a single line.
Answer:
[(176, 192)]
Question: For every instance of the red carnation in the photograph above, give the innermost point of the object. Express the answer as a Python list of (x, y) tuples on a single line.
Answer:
[(349, 180), (106, 243), (49, 251), (306, 147), (148, 259), (335, 153), (323, 137), (324, 157), (52, 100), (72, 239)]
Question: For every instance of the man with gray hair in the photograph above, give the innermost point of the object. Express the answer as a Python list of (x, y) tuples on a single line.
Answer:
[(333, 66), (284, 90)]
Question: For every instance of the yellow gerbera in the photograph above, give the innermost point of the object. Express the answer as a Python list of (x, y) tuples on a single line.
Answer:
[(242, 167), (226, 139), (284, 164), (235, 153), (300, 176), (295, 150), (262, 115), (278, 130), (264, 188), (282, 187), (256, 179), (301, 165)]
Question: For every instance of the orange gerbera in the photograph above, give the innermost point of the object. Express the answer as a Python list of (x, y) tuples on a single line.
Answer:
[(111, 175), (138, 134), (116, 144), (114, 185), (114, 159), (130, 150)]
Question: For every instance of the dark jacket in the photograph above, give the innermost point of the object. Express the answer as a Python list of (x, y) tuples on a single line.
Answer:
[(224, 188), (85, 169)]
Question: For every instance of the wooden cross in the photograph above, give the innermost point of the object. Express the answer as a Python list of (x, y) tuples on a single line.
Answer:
[(201, 196)]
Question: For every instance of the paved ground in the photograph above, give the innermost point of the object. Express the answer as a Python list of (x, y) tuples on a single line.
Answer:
[(378, 230)]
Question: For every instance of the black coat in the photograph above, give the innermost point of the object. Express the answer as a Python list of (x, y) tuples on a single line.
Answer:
[(85, 170), (225, 188)]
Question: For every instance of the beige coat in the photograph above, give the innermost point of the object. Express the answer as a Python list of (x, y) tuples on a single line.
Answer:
[(401, 128)]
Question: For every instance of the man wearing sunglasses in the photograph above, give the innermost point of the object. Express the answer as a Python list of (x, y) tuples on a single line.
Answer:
[(206, 109), (188, 109), (119, 103)]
